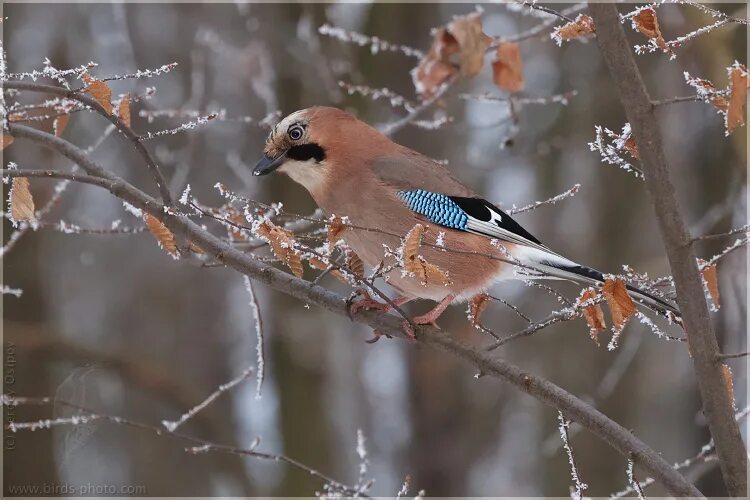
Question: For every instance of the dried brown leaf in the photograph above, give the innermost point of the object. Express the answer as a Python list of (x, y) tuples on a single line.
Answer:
[(507, 69), (7, 140), (477, 305), (59, 124), (593, 314), (472, 43), (336, 227), (21, 201), (100, 91), (433, 274), (631, 147), (355, 264), (163, 235), (282, 245), (726, 372), (582, 26), (647, 23), (620, 304), (436, 67), (712, 282), (412, 241), (123, 111), (738, 82)]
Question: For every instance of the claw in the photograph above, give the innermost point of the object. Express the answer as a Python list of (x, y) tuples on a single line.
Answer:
[(376, 336), (367, 303)]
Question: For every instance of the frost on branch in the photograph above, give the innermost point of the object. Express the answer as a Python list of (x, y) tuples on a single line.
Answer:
[(611, 147), (376, 44), (644, 20), (580, 486)]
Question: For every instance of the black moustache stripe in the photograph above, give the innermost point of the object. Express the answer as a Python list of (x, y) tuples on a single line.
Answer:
[(304, 152)]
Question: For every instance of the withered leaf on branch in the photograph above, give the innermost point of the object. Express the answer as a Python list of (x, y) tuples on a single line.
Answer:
[(472, 42), (7, 140), (647, 23), (507, 69), (462, 38), (336, 227), (123, 110), (418, 265), (620, 304), (100, 91), (59, 124), (355, 264), (477, 305), (728, 382), (712, 282), (738, 82), (282, 245), (582, 26), (21, 201), (163, 235), (593, 314), (631, 147)]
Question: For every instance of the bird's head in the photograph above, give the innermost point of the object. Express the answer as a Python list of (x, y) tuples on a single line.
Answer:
[(306, 144)]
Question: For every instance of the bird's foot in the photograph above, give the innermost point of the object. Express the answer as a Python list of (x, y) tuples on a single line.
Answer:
[(376, 336), (366, 303), (409, 330), (432, 316)]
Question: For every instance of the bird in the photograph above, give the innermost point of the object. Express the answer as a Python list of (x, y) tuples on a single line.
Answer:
[(385, 190)]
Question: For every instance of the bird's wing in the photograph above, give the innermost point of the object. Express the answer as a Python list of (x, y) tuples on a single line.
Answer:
[(410, 170), (471, 214)]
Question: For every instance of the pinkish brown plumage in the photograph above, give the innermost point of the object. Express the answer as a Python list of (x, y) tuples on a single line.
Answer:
[(353, 170)]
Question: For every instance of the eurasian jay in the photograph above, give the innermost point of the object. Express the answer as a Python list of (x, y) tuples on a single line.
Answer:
[(353, 170)]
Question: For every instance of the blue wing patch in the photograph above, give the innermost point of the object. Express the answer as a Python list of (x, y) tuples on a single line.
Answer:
[(438, 208)]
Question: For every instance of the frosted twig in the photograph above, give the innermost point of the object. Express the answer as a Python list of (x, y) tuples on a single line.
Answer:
[(60, 188), (739, 243), (633, 481), (17, 292), (201, 120), (59, 75), (579, 485), (199, 445), (259, 347), (376, 44), (705, 454), (519, 102), (394, 99), (611, 151), (172, 426), (512, 307), (48, 423), (549, 201), (531, 4), (143, 73), (539, 28), (393, 127), (363, 484), (220, 115), (732, 232)]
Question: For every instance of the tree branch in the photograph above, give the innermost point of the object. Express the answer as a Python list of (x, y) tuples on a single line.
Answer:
[(128, 132), (574, 408), (704, 348)]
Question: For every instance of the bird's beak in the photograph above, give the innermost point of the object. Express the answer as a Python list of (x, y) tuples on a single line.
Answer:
[(266, 165)]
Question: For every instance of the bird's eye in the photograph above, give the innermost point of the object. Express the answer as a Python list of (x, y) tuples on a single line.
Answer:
[(295, 132)]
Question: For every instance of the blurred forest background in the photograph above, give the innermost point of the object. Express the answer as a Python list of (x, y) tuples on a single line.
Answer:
[(114, 323)]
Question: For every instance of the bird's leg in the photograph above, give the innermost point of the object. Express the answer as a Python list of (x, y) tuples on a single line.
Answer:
[(367, 303), (432, 316)]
